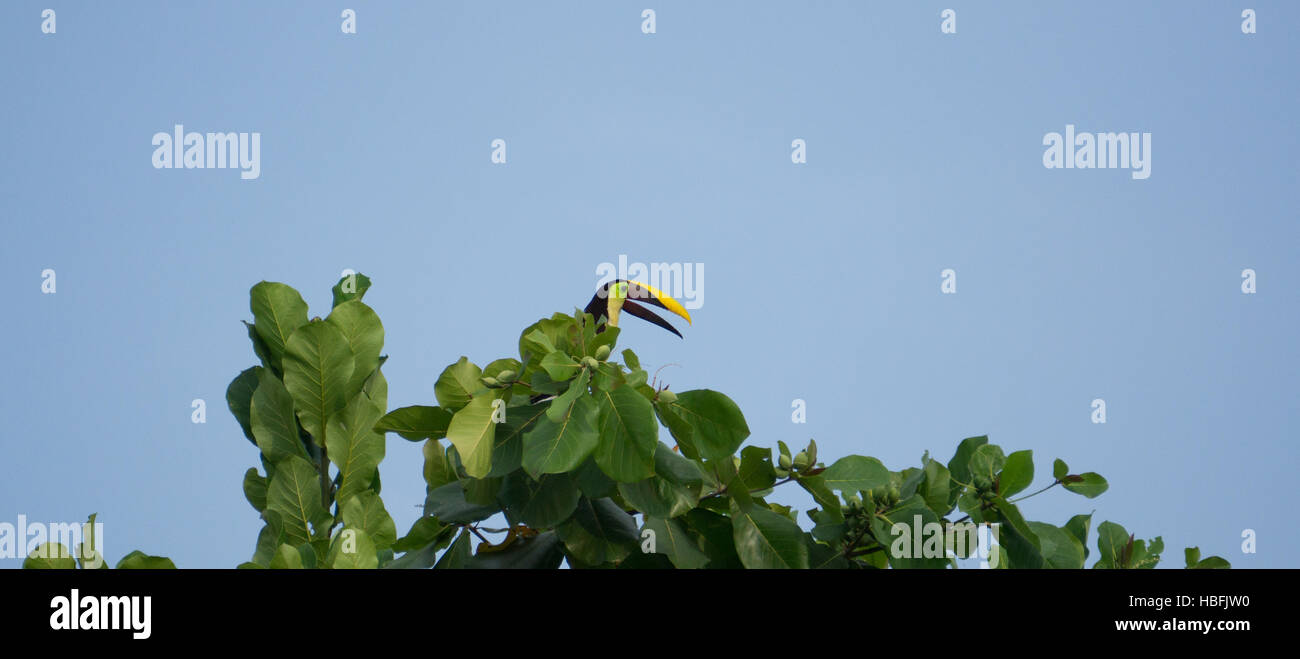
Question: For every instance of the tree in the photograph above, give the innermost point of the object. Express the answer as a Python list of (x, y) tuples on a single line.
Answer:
[(565, 444)]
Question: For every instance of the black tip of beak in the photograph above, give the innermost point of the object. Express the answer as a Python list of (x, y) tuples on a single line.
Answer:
[(648, 315)]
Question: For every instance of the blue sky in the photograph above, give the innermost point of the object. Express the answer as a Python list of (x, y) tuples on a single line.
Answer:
[(924, 152)]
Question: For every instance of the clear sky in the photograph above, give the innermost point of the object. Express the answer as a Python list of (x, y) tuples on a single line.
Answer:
[(924, 153)]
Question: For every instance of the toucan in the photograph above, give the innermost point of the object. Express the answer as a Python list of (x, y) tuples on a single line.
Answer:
[(621, 295)]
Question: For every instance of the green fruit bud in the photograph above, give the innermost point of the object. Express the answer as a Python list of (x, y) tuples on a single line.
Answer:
[(491, 381), (602, 353), (667, 396), (782, 473), (506, 376), (784, 461), (801, 461), (590, 363), (812, 452)]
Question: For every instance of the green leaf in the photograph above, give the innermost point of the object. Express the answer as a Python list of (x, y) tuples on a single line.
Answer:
[(365, 334), (985, 464), (717, 538), (541, 503), (294, 494), (1059, 469), (674, 540), (354, 447), (458, 384), (448, 504), (1078, 527), (1017, 473), (352, 549), (1112, 545), (472, 431), (351, 287), (458, 556), (438, 470), (756, 469), (278, 310), (1090, 485), (719, 427), (255, 489), (1060, 549), (423, 557), (816, 486), (274, 424), (423, 531), (1211, 563), (416, 422), (935, 487), (768, 540), (1192, 555), (317, 368), (959, 466), (629, 434), (674, 489), (286, 557), (856, 473), (543, 551), (50, 556), (88, 555), (366, 512), (560, 366), (599, 532), (239, 398), (508, 445), (138, 560), (632, 361), (555, 446)]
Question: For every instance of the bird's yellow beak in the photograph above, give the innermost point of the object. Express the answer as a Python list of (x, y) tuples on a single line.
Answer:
[(667, 302)]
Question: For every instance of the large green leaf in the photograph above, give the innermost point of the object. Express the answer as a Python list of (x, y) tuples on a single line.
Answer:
[(448, 504), (472, 431), (1089, 484), (768, 540), (959, 466), (352, 549), (294, 494), (365, 334), (317, 368), (854, 473), (354, 447), (278, 310), (416, 422), (273, 421), (541, 503), (1017, 473), (239, 398), (458, 556), (599, 532), (255, 489), (556, 446), (719, 427), (1060, 549), (756, 469), (628, 435), (138, 560), (673, 540), (366, 512), (50, 556), (458, 384), (985, 463), (674, 489), (508, 444), (351, 287), (560, 366), (543, 551)]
